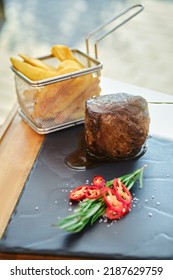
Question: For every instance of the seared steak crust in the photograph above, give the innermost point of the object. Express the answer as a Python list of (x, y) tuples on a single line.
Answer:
[(116, 125)]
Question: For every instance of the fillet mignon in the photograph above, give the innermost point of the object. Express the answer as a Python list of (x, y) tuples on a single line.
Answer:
[(116, 125)]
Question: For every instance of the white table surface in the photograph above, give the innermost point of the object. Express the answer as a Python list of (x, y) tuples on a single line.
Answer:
[(161, 114)]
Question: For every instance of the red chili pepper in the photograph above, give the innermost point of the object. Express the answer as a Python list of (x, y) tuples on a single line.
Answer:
[(122, 192), (93, 192), (111, 200), (78, 193), (112, 215), (126, 209), (99, 181)]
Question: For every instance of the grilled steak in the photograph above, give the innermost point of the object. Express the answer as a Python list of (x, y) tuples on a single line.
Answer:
[(116, 125)]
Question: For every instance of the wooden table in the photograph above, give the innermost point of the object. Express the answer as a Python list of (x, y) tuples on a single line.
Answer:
[(20, 145)]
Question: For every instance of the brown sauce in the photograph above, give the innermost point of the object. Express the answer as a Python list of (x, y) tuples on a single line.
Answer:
[(80, 159)]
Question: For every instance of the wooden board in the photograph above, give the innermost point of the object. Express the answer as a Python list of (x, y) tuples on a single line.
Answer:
[(18, 150)]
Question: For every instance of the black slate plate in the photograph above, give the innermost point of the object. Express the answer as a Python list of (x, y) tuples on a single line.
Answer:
[(146, 233)]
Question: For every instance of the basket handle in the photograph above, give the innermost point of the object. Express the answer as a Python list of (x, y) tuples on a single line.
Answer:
[(139, 8)]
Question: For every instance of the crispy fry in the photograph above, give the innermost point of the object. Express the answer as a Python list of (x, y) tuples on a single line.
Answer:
[(29, 94), (68, 69), (63, 53), (35, 69), (77, 108), (33, 73), (37, 62), (58, 99), (69, 63)]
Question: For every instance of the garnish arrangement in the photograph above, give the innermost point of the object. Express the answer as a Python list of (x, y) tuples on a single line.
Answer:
[(111, 199)]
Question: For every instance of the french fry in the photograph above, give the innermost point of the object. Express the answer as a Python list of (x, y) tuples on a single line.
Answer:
[(68, 69), (29, 94), (63, 53), (77, 108), (33, 73), (59, 98), (58, 101), (35, 69), (37, 62), (69, 63)]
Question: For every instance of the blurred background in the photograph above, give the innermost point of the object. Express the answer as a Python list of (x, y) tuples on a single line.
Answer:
[(140, 52)]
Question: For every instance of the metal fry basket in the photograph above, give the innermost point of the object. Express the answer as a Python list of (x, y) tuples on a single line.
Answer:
[(56, 103), (59, 102)]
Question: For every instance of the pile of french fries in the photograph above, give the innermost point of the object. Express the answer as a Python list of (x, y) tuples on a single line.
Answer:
[(59, 101)]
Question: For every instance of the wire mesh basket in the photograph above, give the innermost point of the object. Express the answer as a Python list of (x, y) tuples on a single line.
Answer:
[(53, 104), (59, 102)]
